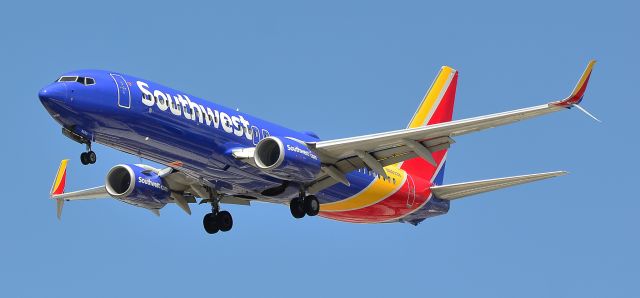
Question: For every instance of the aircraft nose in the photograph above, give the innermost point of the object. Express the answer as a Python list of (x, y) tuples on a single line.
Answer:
[(55, 91)]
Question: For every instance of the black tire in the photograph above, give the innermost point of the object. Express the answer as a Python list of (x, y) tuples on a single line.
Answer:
[(84, 159), (311, 205), (210, 223), (296, 207), (91, 157), (225, 221)]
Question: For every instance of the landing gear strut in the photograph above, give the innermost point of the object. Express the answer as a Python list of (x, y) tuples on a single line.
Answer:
[(217, 220), (88, 157), (304, 205)]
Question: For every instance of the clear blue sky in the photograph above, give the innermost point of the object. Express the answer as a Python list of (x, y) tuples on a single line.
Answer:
[(340, 69)]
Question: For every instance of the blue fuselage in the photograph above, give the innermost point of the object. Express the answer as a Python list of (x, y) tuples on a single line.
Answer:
[(173, 128), (187, 133)]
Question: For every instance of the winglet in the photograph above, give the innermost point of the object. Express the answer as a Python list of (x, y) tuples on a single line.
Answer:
[(58, 186), (578, 92), (61, 177)]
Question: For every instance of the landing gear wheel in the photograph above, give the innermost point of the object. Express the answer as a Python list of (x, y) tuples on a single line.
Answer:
[(84, 159), (311, 205), (225, 221), (210, 223), (297, 208), (91, 157), (88, 158)]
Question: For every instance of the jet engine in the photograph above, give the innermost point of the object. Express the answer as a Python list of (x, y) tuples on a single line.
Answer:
[(137, 185), (287, 158)]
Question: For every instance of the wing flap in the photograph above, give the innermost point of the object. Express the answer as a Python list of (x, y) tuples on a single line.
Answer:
[(460, 190)]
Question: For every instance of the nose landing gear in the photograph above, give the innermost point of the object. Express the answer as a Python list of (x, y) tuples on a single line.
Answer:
[(88, 157)]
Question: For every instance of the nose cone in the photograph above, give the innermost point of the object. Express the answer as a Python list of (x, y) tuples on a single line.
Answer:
[(56, 91)]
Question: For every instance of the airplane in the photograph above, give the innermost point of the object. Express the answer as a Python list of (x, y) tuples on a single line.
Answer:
[(223, 156)]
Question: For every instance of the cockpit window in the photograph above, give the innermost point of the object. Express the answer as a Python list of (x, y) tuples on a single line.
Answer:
[(67, 79), (82, 80)]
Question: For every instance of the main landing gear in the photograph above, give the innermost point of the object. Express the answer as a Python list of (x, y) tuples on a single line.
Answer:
[(217, 220), (304, 205), (88, 157)]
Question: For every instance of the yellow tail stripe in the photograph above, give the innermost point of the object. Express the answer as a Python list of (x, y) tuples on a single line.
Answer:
[(379, 189), (432, 96)]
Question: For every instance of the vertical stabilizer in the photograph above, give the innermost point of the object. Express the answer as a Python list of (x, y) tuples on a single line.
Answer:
[(436, 107)]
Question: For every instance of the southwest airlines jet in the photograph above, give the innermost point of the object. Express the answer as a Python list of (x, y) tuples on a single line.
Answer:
[(222, 156)]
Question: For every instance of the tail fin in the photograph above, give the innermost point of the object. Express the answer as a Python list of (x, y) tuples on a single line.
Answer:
[(436, 107), (58, 186), (437, 104)]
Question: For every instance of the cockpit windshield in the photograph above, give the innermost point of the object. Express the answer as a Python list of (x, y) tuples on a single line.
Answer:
[(67, 79), (82, 80)]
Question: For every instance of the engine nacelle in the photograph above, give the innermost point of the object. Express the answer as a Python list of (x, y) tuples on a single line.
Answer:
[(287, 159), (138, 186)]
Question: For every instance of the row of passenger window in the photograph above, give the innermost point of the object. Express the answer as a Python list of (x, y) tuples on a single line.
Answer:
[(82, 80), (175, 106), (187, 109), (255, 132)]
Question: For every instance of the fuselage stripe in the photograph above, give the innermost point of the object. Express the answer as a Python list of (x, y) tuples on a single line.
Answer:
[(378, 190)]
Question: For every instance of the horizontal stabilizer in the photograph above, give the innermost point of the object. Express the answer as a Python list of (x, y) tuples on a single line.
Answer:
[(460, 190)]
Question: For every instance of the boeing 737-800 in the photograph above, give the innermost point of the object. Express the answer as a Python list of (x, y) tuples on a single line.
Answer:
[(222, 156)]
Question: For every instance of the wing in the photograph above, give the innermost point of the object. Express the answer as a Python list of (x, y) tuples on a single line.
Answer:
[(57, 190), (99, 192), (460, 190), (183, 186), (378, 150)]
